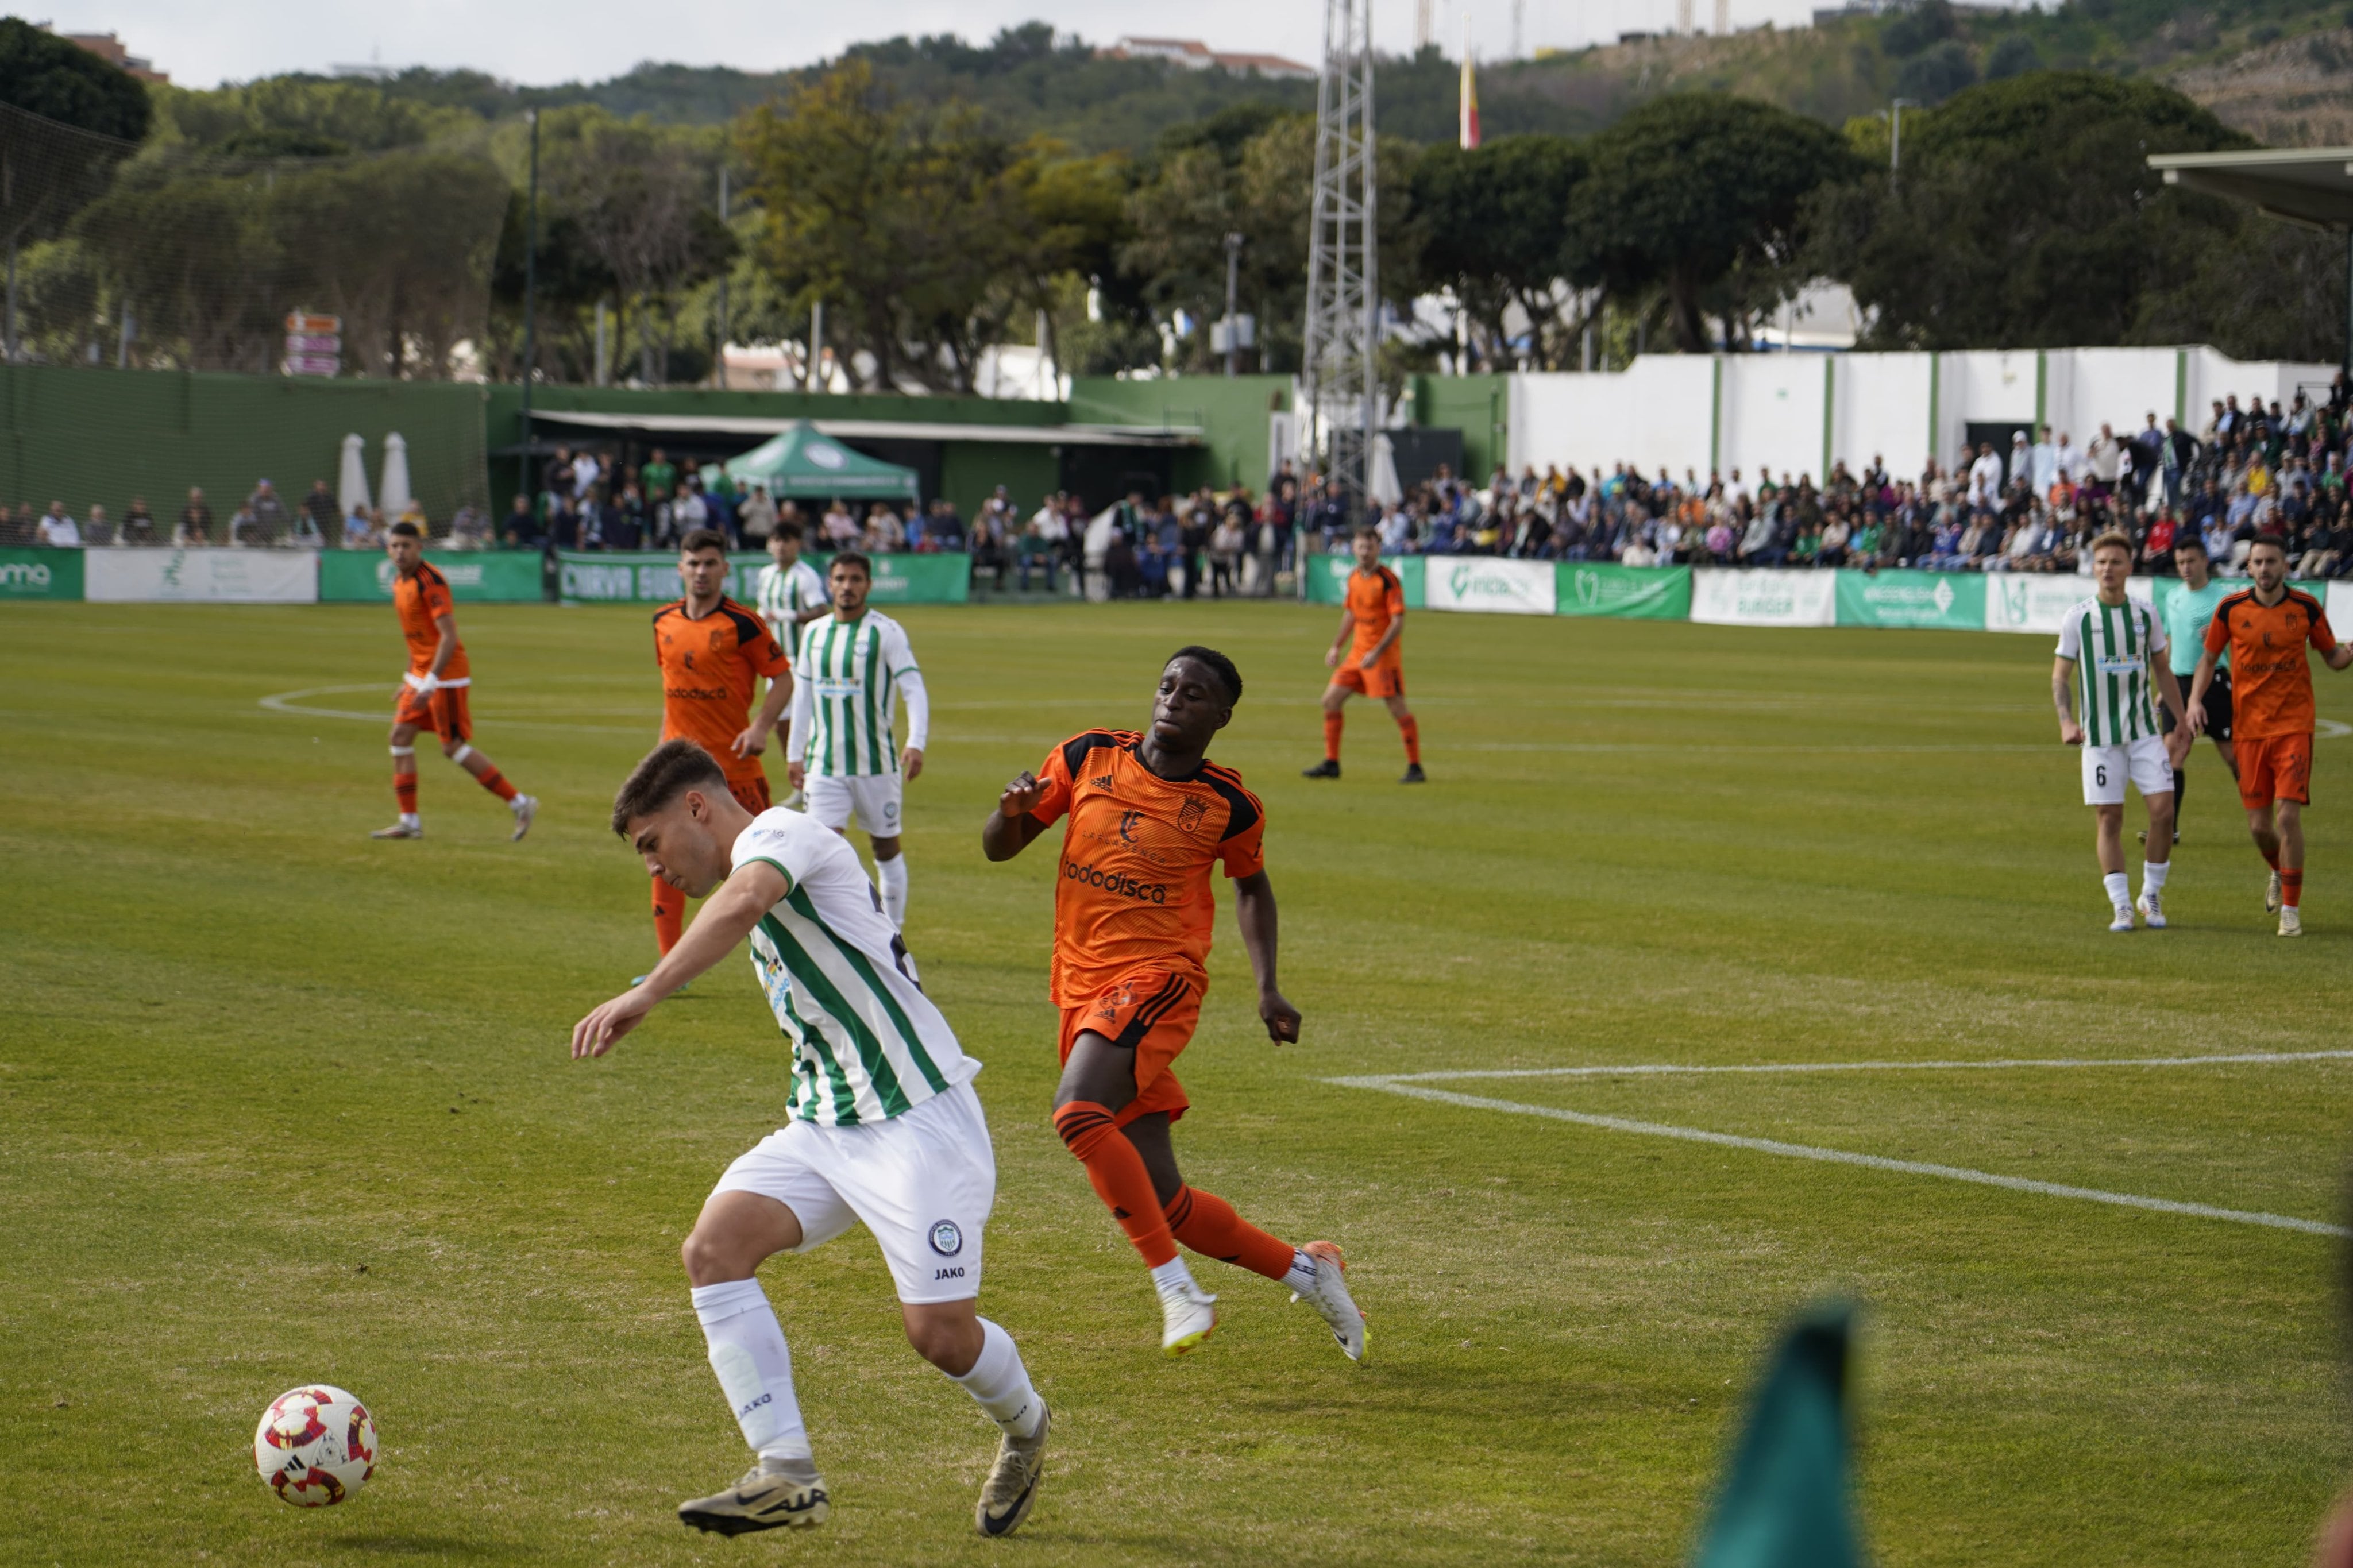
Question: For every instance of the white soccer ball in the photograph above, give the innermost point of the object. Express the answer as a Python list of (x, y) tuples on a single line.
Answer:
[(315, 1446)]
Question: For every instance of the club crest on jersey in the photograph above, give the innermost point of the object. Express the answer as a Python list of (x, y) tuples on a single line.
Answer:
[(946, 1239), (1189, 814)]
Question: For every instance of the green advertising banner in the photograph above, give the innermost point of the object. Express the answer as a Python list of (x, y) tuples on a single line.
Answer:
[(650, 577), (1949, 601), (40, 574), (1327, 577), (483, 576), (1633, 592)]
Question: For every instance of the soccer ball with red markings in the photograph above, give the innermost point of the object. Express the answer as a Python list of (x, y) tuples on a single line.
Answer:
[(315, 1446)]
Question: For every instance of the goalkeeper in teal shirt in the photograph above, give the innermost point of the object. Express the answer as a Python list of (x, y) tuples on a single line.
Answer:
[(2188, 608)]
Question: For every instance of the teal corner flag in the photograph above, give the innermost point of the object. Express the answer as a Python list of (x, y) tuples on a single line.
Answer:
[(1786, 1503)]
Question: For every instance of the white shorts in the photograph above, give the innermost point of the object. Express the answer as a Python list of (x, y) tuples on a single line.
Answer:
[(924, 1182), (2144, 762), (874, 797)]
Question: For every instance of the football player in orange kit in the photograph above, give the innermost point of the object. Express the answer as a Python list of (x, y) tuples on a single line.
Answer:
[(2265, 629), (1147, 814), (1371, 624), (711, 651), (433, 693)]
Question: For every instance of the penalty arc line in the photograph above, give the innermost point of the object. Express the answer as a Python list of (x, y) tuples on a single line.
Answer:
[(1845, 1157)]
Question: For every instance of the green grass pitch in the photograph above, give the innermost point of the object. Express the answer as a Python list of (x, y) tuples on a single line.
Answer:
[(280, 1104)]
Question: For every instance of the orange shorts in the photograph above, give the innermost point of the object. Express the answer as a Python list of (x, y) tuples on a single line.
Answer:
[(751, 791), (2274, 767), (1384, 679), (1153, 1013), (445, 712)]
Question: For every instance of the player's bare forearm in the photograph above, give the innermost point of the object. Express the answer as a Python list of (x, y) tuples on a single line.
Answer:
[(727, 918), (2340, 656), (2169, 687), (755, 738), (1011, 827), (2198, 682), (443, 650), (1254, 913), (2062, 698), (1340, 638), (1388, 639)]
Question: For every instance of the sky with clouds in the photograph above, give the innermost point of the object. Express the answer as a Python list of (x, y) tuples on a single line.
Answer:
[(543, 42)]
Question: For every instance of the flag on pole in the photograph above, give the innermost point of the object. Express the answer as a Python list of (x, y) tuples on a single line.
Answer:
[(1786, 1500), (1469, 128)]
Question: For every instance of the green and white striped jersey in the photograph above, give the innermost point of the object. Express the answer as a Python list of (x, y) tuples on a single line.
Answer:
[(2115, 647), (843, 679), (868, 1045), (782, 593)]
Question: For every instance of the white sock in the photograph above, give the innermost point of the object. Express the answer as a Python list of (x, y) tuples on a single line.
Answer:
[(891, 875), (1302, 1278), (1172, 1276), (1000, 1384), (2152, 876), (756, 1370), (408, 819), (2119, 887)]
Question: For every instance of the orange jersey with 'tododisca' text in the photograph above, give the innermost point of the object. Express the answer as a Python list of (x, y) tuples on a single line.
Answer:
[(1375, 599), (710, 669), (419, 601), (2271, 681), (1134, 888)]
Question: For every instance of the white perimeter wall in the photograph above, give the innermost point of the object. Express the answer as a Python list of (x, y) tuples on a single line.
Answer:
[(1778, 411)]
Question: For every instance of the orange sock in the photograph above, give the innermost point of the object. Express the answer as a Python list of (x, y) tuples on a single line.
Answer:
[(403, 790), (670, 915), (1331, 722), (2271, 857), (496, 782), (1208, 1225), (2292, 888), (1119, 1177), (1410, 728)]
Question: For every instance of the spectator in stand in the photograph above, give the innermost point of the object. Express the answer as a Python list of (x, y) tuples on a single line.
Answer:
[(58, 531), (757, 518), (885, 534), (2156, 548), (522, 531), (1226, 544), (2323, 546), (413, 514), (244, 529), (359, 529), (1985, 478), (2045, 470), (563, 522), (138, 524), (95, 529), (658, 478), (626, 528), (988, 554), (320, 508), (193, 530), (469, 530), (269, 511), (585, 474), (840, 529)]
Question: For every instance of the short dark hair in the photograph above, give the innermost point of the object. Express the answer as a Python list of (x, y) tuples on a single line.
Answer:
[(1220, 666), (2187, 539), (667, 772), (856, 558), (2267, 537), (404, 530), (787, 528), (701, 539)]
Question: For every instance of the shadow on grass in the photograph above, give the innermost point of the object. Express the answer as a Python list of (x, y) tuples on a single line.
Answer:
[(406, 1544)]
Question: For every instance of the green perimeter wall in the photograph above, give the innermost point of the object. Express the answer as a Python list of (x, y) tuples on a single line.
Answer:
[(83, 435), (1479, 406), (1230, 411)]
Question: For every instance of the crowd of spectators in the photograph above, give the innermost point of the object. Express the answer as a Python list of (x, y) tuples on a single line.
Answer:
[(2251, 467)]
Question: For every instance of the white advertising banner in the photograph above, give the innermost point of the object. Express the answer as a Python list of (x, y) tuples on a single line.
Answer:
[(2037, 601), (1727, 597), (1487, 583), (2340, 608), (202, 576)]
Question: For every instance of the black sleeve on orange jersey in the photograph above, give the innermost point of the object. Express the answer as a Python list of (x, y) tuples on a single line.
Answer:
[(1076, 750), (1240, 809)]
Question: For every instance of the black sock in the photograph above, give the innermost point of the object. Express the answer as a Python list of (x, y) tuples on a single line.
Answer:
[(2180, 788)]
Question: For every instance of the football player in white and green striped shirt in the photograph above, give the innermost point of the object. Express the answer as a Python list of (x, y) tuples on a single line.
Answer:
[(885, 1128), (843, 749), (2108, 656)]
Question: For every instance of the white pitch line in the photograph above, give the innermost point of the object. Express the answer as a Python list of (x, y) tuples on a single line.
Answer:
[(1845, 1157), (1382, 1080)]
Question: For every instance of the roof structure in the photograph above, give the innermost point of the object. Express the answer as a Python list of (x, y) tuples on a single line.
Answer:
[(880, 429), (2310, 186)]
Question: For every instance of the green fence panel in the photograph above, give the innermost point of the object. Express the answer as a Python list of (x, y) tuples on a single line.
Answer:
[(650, 577), (1631, 593), (1949, 601), (489, 576), (40, 574), (1327, 577)]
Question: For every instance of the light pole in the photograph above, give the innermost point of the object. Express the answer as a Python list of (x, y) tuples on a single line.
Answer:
[(1895, 109), (1233, 326), (530, 294)]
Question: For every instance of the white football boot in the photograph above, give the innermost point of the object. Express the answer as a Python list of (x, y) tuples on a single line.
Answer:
[(2123, 919), (525, 807), (1329, 1296), (1012, 1485), (2291, 922), (1187, 1313), (2272, 896), (2152, 910), (772, 1495)]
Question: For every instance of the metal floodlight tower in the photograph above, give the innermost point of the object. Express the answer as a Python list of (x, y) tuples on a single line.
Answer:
[(1339, 373)]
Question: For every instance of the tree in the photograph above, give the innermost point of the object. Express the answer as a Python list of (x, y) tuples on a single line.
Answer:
[(2027, 216), (1696, 193), (45, 75), (1496, 231), (1935, 75)]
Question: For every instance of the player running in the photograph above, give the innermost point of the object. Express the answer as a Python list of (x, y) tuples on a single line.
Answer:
[(885, 1128), (2191, 605), (1147, 815), (433, 693), (711, 650), (842, 749), (2107, 649), (2272, 719), (1372, 625)]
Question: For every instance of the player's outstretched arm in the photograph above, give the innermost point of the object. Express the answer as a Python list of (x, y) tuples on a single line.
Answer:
[(1254, 912), (727, 918), (1011, 827), (2062, 698)]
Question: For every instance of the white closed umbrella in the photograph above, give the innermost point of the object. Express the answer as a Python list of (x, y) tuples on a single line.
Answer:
[(1381, 476), (350, 481), (392, 493)]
